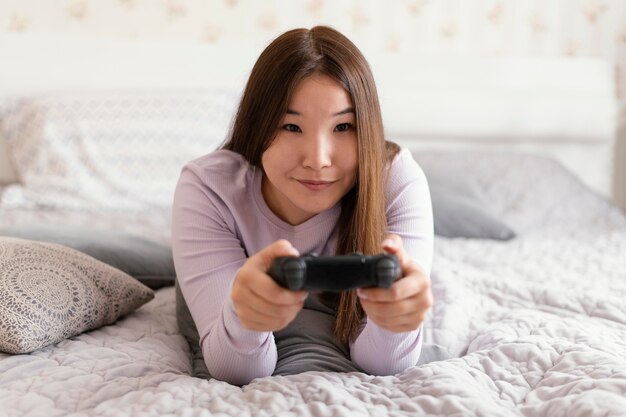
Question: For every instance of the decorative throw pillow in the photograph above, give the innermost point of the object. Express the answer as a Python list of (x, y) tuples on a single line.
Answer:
[(145, 260), (51, 292)]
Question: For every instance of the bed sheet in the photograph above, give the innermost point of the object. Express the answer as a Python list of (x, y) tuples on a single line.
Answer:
[(536, 326)]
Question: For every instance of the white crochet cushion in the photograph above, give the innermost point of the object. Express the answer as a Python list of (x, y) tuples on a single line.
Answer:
[(51, 292), (110, 150)]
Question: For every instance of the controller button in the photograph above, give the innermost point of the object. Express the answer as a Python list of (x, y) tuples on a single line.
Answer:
[(385, 265), (294, 273), (386, 271)]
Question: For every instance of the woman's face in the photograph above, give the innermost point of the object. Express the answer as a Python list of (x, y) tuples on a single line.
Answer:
[(312, 163)]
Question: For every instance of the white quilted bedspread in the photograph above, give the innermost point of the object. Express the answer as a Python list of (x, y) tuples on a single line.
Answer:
[(536, 327)]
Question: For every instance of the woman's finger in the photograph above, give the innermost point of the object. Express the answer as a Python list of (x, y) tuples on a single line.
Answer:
[(417, 303), (406, 287), (261, 284), (266, 308)]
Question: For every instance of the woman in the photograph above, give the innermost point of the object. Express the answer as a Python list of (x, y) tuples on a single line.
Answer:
[(306, 169)]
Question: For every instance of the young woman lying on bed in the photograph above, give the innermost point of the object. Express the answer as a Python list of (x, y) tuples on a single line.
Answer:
[(306, 169)]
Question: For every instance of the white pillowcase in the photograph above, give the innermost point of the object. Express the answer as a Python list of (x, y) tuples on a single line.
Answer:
[(111, 150)]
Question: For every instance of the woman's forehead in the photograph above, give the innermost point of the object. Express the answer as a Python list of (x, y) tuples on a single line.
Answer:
[(319, 91)]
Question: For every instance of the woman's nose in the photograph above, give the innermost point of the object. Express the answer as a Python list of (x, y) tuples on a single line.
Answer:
[(318, 152)]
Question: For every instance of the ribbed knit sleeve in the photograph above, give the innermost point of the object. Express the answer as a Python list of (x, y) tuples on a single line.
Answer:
[(409, 215), (207, 254), (219, 219)]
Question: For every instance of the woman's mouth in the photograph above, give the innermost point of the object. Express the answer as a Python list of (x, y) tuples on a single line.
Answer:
[(316, 185)]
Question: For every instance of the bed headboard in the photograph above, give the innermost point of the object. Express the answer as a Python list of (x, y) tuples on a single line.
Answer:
[(7, 173), (619, 161), (561, 107)]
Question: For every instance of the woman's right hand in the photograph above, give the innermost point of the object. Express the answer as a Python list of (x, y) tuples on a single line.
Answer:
[(260, 303)]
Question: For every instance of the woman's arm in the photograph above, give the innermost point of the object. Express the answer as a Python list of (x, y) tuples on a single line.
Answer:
[(386, 347), (207, 255), (391, 340)]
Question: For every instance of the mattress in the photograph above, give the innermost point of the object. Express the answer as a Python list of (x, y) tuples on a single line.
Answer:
[(535, 326)]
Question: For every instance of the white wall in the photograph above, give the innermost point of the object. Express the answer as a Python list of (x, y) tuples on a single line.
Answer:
[(60, 44), (595, 28)]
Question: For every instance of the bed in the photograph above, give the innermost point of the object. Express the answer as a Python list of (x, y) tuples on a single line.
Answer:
[(529, 274)]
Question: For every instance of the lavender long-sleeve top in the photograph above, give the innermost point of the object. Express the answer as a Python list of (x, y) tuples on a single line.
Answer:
[(220, 218)]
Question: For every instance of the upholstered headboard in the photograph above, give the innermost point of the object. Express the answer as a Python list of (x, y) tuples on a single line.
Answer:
[(619, 184), (7, 173), (561, 107)]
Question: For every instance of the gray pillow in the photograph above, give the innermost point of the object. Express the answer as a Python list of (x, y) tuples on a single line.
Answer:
[(459, 210), (51, 292), (146, 260), (461, 216)]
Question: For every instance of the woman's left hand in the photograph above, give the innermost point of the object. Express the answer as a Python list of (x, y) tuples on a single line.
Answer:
[(403, 306)]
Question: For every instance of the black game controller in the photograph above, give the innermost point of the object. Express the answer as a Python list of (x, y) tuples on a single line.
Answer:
[(335, 273)]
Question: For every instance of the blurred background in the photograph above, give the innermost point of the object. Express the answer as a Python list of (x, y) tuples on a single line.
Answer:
[(449, 72), (564, 28)]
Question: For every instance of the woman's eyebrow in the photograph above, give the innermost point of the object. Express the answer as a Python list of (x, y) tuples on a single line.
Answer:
[(339, 113), (344, 111)]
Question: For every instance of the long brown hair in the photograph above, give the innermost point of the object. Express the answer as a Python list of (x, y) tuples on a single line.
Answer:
[(290, 58)]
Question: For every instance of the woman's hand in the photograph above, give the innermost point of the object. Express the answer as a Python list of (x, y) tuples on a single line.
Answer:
[(260, 303), (403, 306)]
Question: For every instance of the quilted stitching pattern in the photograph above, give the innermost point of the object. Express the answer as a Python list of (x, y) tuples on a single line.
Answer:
[(536, 324)]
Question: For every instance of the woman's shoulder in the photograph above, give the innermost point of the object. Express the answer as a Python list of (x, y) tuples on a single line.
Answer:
[(404, 166), (220, 169), (405, 178), (221, 160)]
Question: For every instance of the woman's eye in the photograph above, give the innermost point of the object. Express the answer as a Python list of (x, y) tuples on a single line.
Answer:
[(343, 127), (292, 128)]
